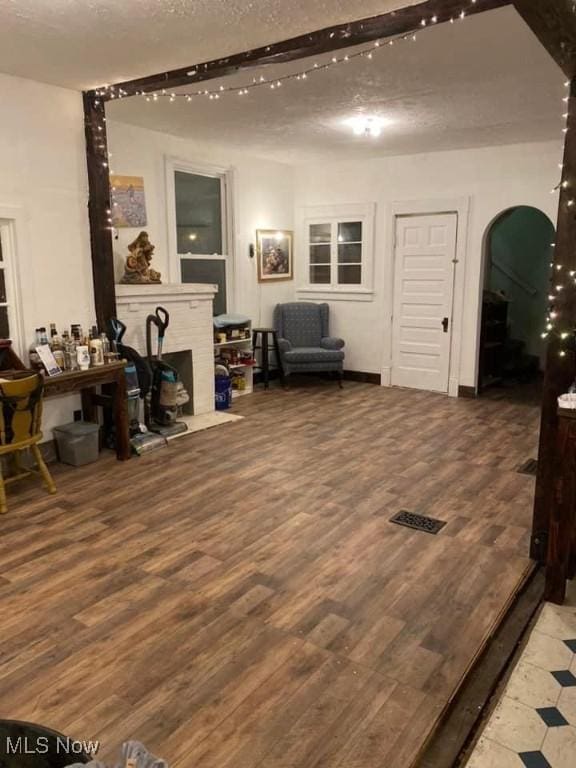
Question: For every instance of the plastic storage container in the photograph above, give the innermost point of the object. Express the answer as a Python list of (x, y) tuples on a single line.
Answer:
[(77, 442), (223, 392)]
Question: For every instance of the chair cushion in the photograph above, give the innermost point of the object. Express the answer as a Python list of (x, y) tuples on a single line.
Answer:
[(302, 324), (313, 355), (331, 342)]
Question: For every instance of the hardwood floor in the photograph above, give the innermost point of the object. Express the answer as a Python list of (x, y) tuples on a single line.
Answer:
[(241, 599)]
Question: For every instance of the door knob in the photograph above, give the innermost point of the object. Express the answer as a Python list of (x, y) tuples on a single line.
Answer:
[(445, 322)]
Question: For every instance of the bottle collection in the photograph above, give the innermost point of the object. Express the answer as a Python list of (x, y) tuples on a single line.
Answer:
[(73, 350)]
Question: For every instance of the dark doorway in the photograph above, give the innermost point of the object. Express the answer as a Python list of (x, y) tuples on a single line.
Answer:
[(515, 297)]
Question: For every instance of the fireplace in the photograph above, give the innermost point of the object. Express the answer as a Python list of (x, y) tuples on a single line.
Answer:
[(189, 341), (182, 362)]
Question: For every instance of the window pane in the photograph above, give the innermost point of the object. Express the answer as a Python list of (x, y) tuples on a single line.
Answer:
[(350, 275), (2, 286), (350, 253), (350, 232), (320, 233), (320, 274), (4, 328), (319, 254), (207, 271), (198, 213)]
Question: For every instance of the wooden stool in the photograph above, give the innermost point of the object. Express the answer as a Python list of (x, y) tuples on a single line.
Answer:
[(264, 347)]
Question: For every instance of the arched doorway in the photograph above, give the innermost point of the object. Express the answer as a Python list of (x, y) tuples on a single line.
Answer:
[(515, 297)]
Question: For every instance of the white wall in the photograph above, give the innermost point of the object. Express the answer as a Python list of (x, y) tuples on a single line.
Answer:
[(43, 182), (493, 178), (43, 186), (263, 198)]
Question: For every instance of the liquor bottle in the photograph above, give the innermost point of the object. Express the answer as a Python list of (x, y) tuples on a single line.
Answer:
[(70, 356), (65, 343), (96, 352), (33, 356), (57, 347), (77, 334), (55, 340), (105, 346), (43, 338)]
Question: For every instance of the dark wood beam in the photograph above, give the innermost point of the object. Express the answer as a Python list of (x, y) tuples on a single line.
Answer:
[(562, 530), (99, 209), (554, 24), (402, 21), (395, 23), (560, 371)]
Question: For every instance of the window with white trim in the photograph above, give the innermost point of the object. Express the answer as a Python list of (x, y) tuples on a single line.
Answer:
[(8, 321), (200, 233), (338, 248)]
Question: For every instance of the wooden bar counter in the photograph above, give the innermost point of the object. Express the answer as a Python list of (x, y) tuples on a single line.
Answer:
[(85, 382)]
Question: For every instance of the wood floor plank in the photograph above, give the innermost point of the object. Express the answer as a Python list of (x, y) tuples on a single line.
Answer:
[(240, 599)]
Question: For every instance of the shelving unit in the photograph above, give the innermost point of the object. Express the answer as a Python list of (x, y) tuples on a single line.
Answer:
[(243, 345), (232, 343)]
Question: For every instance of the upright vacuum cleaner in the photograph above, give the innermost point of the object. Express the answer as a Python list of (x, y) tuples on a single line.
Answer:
[(166, 393), (138, 383)]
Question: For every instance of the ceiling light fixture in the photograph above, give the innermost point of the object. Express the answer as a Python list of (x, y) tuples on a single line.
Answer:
[(364, 125)]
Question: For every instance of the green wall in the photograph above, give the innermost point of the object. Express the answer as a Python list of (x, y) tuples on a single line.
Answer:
[(519, 266)]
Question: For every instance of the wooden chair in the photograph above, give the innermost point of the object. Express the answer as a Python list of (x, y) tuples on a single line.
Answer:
[(20, 427)]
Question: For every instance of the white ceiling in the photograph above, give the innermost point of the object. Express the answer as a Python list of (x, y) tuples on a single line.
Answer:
[(85, 43), (483, 81)]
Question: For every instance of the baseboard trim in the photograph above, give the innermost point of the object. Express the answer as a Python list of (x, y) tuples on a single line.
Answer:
[(361, 376), (273, 375), (467, 391), (364, 377)]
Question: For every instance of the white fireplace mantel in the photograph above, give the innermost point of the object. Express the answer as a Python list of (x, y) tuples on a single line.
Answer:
[(132, 296), (190, 328)]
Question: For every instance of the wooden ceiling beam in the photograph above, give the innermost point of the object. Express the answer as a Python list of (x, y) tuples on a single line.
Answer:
[(554, 24), (392, 24)]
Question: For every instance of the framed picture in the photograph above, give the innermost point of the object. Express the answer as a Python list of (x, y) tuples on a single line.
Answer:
[(274, 255), (128, 201)]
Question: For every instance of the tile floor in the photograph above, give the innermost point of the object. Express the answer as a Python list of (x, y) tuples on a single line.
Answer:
[(534, 724)]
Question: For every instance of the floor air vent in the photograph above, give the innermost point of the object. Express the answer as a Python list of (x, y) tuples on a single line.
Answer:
[(418, 522), (529, 467)]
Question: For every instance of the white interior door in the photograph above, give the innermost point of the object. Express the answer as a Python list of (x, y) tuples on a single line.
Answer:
[(423, 292)]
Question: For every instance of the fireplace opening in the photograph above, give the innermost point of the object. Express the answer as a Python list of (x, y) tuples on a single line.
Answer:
[(182, 362)]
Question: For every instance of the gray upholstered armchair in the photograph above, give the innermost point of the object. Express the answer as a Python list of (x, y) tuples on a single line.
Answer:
[(305, 341)]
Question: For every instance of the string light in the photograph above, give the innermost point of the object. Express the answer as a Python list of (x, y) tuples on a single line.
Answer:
[(111, 91), (565, 337)]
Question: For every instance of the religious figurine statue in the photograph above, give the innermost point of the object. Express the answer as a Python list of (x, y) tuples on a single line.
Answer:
[(137, 268)]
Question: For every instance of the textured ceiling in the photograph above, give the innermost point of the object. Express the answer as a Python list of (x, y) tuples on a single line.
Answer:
[(85, 43), (483, 81)]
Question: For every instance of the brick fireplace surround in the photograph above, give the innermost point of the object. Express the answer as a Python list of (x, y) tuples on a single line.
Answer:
[(190, 328)]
